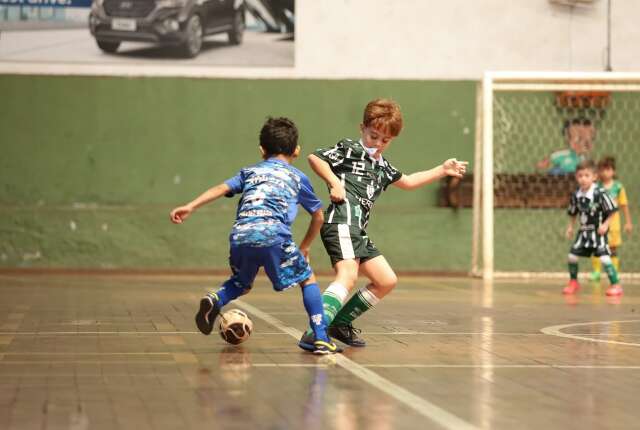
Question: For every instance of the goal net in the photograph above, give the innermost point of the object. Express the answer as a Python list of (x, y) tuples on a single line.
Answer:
[(535, 128)]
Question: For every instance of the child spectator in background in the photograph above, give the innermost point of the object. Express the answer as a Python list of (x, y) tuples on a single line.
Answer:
[(615, 189), (579, 134)]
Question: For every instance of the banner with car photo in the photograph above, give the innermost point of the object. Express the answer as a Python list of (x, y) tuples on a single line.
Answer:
[(239, 33)]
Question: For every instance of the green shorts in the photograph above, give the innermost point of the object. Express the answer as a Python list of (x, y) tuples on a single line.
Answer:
[(344, 242)]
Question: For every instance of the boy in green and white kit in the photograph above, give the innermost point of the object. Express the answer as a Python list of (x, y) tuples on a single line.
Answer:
[(357, 174), (594, 209)]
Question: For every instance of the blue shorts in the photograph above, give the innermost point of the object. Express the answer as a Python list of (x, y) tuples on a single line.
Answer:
[(284, 264)]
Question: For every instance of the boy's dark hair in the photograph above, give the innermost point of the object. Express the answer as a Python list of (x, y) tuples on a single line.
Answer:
[(607, 162), (575, 121), (279, 136), (586, 164)]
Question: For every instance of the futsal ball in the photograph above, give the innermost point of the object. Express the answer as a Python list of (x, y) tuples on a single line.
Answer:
[(235, 326)]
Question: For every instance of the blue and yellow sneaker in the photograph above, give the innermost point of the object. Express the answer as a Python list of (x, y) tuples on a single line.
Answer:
[(320, 347), (207, 314)]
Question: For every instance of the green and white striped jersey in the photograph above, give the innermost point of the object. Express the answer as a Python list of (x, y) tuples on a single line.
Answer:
[(363, 177), (592, 207)]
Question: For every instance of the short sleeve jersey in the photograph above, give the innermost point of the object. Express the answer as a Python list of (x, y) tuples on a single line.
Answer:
[(363, 177), (617, 193), (271, 191), (566, 160), (592, 207)]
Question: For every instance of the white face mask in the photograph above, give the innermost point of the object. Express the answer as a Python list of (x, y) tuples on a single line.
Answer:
[(370, 151)]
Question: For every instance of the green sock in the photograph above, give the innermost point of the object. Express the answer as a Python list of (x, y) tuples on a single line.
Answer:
[(331, 306), (573, 270), (332, 299), (361, 302), (612, 273)]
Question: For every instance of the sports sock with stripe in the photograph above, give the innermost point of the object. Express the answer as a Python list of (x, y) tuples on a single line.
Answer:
[(361, 302)]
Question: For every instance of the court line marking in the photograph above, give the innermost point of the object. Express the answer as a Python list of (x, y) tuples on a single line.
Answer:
[(376, 333), (418, 404), (556, 330), (328, 365), (87, 353), (585, 336), (460, 366)]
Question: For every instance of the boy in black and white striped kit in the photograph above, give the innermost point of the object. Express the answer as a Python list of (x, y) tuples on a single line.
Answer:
[(594, 209)]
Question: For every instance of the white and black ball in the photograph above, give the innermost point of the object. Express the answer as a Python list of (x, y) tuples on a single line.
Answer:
[(235, 326)]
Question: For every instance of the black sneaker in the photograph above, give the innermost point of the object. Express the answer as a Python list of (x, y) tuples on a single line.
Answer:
[(306, 341), (207, 314), (346, 334)]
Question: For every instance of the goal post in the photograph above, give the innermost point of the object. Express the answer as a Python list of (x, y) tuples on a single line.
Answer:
[(534, 128)]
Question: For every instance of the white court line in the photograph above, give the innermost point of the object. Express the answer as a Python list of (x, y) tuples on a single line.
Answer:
[(268, 333), (375, 333), (86, 353), (327, 365), (459, 366), (418, 404), (556, 330)]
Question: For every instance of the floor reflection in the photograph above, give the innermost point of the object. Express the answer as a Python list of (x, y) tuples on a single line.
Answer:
[(222, 390), (242, 391), (483, 343), (336, 402)]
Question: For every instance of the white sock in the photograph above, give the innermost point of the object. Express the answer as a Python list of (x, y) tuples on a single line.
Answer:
[(338, 291)]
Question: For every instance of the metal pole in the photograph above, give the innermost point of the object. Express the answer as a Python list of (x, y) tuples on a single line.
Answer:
[(607, 66), (487, 176), (477, 186)]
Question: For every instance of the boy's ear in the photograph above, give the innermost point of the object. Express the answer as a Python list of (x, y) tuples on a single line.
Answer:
[(262, 151), (296, 152)]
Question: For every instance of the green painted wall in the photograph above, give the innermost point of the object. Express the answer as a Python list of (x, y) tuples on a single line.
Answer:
[(91, 166)]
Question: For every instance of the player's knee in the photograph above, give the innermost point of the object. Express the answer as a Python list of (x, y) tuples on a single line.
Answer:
[(605, 259), (392, 281), (347, 279), (572, 258), (388, 283), (311, 280)]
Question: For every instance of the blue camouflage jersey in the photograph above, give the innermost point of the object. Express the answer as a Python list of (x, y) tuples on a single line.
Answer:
[(271, 191)]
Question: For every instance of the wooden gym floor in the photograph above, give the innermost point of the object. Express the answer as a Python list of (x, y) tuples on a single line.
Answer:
[(121, 352)]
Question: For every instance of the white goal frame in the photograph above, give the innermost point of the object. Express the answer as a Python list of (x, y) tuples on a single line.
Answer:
[(483, 221)]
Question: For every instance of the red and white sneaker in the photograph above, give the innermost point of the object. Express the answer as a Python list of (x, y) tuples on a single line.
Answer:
[(614, 290), (572, 287)]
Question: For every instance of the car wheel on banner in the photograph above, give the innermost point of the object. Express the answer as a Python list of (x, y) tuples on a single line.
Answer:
[(193, 42), (236, 33)]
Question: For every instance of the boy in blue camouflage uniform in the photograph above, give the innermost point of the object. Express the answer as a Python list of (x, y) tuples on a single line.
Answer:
[(261, 235)]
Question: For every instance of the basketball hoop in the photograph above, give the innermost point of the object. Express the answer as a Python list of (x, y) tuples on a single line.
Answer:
[(583, 99)]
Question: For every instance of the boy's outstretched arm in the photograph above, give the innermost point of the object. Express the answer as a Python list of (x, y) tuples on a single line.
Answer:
[(337, 193), (451, 167), (317, 219), (179, 214)]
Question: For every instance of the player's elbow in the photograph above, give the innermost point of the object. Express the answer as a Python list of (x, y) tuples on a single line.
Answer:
[(318, 216), (406, 184)]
